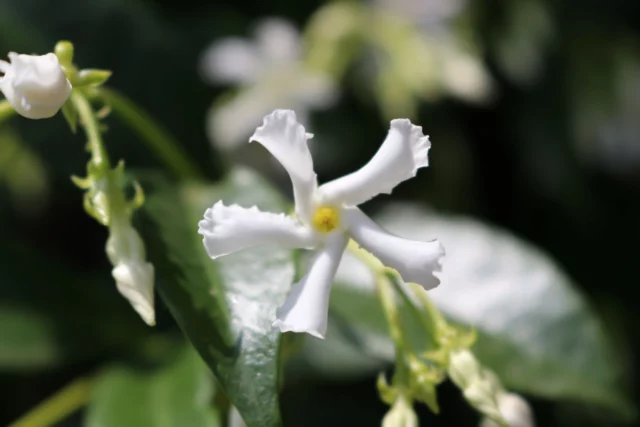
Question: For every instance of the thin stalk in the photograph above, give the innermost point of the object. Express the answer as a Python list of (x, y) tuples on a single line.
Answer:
[(426, 319), (59, 406), (431, 315), (157, 138), (91, 127), (387, 298)]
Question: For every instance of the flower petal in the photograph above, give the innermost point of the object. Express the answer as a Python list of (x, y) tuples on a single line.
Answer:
[(307, 306), (286, 140), (228, 229), (404, 151), (416, 261), (232, 60)]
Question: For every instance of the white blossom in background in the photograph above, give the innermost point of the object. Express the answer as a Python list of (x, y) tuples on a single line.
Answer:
[(515, 410), (35, 86), (326, 217), (424, 12), (459, 69), (270, 73), (606, 126)]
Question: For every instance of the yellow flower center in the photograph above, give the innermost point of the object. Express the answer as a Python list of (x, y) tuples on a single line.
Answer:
[(326, 219)]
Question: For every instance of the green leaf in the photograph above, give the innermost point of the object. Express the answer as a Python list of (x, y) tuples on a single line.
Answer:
[(225, 307), (180, 394), (536, 331)]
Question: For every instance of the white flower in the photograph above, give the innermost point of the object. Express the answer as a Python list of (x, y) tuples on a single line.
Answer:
[(424, 12), (271, 74), (326, 217), (459, 68), (35, 86), (515, 410)]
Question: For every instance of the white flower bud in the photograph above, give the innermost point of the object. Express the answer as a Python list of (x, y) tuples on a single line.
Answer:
[(35, 86), (514, 409), (124, 244), (135, 282), (464, 369), (401, 414), (133, 275)]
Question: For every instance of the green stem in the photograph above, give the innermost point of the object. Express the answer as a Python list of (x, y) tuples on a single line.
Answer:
[(6, 110), (159, 140), (387, 298), (91, 127), (427, 320), (59, 406), (432, 319)]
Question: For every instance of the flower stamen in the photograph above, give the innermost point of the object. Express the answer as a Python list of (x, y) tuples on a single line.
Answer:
[(326, 219)]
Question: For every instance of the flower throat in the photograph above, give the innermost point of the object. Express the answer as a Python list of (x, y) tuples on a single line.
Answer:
[(325, 219)]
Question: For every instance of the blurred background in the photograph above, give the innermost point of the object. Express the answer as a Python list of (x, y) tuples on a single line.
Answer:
[(532, 107)]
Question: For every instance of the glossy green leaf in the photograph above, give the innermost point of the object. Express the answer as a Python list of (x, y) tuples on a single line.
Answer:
[(536, 330), (180, 394), (225, 307)]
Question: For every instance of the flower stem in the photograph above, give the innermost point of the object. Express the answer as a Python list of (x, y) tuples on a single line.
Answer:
[(59, 406), (159, 140), (91, 127), (432, 318), (6, 110), (387, 298), (429, 320)]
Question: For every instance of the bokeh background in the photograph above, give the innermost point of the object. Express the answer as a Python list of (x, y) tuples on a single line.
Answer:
[(534, 121)]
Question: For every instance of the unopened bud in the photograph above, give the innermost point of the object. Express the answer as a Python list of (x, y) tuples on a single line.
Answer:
[(401, 414), (135, 281), (464, 369), (133, 275), (64, 52), (35, 86), (515, 411)]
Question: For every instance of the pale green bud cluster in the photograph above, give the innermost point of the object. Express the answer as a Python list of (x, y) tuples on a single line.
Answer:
[(417, 373)]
